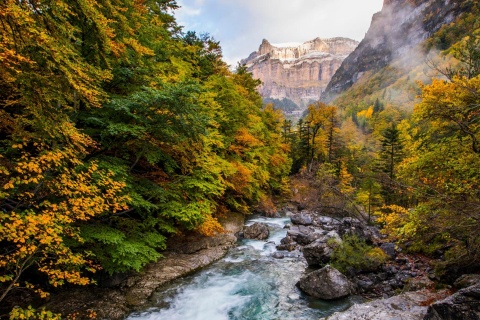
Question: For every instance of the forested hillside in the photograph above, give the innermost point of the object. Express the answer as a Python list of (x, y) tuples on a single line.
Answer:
[(117, 130), (404, 154)]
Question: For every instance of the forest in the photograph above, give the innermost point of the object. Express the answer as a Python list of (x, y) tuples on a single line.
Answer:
[(119, 129)]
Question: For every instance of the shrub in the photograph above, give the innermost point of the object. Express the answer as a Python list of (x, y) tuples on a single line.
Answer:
[(354, 253)]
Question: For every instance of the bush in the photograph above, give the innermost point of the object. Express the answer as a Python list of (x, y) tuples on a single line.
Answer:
[(354, 253)]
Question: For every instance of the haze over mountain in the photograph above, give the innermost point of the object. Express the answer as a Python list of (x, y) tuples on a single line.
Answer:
[(394, 52)]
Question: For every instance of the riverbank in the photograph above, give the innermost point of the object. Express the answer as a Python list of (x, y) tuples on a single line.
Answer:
[(188, 253)]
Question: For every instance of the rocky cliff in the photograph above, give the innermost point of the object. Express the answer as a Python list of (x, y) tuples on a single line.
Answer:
[(394, 32), (298, 72)]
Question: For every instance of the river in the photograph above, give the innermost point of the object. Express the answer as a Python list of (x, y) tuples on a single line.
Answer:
[(247, 284)]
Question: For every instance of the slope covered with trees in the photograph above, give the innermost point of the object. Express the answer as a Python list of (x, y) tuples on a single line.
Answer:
[(414, 171), (117, 130)]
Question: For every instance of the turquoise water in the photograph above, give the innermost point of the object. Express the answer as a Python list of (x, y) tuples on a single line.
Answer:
[(247, 284)]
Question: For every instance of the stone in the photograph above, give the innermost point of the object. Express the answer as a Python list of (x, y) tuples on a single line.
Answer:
[(466, 280), (462, 305), (278, 255), (389, 249), (320, 251), (301, 219), (406, 306), (258, 231), (327, 283)]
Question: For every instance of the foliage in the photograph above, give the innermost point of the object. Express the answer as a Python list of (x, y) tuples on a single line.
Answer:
[(354, 253), (32, 314), (118, 130)]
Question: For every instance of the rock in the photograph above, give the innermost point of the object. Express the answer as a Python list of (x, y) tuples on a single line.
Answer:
[(258, 231), (406, 306), (467, 280), (389, 249), (305, 239), (463, 305), (327, 283), (278, 255), (301, 219), (320, 251)]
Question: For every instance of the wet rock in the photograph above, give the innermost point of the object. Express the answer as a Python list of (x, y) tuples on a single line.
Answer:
[(463, 305), (301, 218), (320, 251), (467, 280), (278, 255), (287, 244), (258, 231), (389, 249), (407, 306), (327, 283), (287, 247)]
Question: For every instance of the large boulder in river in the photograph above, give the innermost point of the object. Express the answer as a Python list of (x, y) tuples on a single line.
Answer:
[(327, 283), (257, 231), (320, 251), (463, 305)]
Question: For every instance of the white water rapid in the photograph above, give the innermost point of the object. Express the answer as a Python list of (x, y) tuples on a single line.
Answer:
[(247, 284)]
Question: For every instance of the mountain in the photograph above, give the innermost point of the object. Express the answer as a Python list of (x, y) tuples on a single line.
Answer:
[(395, 41), (298, 72)]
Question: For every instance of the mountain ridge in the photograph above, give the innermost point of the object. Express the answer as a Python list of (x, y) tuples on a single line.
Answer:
[(298, 73)]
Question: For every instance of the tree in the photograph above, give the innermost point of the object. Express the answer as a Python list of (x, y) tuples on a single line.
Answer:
[(391, 151)]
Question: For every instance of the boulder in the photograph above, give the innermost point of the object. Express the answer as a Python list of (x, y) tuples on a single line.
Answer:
[(406, 306), (389, 249), (463, 305), (287, 244), (320, 251), (327, 283), (258, 231), (301, 218)]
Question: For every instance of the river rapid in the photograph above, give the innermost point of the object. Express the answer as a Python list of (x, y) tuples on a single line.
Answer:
[(247, 284)]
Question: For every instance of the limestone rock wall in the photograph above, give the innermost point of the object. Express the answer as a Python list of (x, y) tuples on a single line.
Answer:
[(298, 72)]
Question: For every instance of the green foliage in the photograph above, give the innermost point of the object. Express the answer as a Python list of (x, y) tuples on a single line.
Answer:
[(354, 253), (117, 130)]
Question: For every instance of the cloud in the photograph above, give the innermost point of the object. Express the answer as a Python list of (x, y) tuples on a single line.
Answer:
[(241, 25)]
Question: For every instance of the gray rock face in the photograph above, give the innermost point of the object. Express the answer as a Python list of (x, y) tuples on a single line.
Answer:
[(399, 27), (407, 306), (257, 231), (327, 283), (463, 305)]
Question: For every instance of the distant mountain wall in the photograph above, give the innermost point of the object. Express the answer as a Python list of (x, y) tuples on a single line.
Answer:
[(298, 72)]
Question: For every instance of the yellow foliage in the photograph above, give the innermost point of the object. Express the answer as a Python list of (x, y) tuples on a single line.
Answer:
[(393, 218), (210, 227)]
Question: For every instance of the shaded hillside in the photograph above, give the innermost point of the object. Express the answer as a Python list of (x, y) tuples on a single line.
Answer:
[(393, 41)]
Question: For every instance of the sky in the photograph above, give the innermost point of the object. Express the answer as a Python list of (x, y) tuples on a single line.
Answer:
[(240, 25)]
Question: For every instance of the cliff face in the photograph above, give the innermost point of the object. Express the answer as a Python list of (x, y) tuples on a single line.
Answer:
[(399, 27), (298, 72)]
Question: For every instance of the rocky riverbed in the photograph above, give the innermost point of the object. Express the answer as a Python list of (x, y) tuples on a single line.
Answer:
[(307, 243)]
